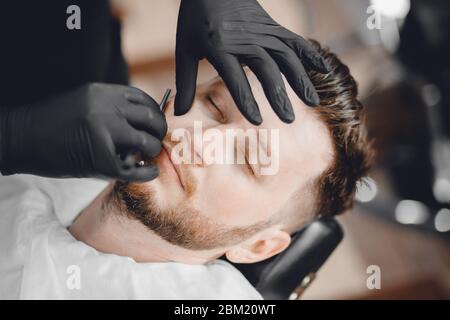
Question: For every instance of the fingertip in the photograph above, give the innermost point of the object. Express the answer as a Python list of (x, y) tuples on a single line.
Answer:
[(154, 150), (306, 91), (287, 118), (256, 122), (310, 96), (161, 127), (141, 174), (180, 112), (250, 110), (252, 113), (181, 106), (148, 145), (284, 110), (148, 173), (255, 119)]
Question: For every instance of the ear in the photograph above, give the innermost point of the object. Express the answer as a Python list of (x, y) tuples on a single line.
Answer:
[(261, 246)]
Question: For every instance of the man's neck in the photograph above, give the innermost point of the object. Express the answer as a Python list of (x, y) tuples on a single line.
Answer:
[(109, 231)]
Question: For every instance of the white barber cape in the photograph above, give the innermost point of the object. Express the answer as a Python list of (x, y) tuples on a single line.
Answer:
[(39, 258)]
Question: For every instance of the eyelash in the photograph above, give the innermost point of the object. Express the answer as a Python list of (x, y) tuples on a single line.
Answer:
[(247, 164), (214, 105), (249, 167)]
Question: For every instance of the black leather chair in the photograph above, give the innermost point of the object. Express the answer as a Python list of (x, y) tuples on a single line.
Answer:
[(288, 274)]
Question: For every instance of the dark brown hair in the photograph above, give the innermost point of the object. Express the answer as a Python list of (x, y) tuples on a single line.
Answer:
[(344, 116)]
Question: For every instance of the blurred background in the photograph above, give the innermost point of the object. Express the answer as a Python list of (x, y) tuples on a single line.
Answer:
[(399, 52)]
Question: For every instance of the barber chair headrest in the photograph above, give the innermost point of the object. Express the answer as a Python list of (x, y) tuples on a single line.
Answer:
[(294, 268)]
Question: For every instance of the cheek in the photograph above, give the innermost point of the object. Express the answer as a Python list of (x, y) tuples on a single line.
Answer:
[(164, 193), (232, 198)]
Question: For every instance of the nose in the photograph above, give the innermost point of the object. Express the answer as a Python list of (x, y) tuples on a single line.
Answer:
[(186, 145), (195, 140)]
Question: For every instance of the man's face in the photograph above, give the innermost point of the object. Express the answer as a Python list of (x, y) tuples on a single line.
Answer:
[(238, 195)]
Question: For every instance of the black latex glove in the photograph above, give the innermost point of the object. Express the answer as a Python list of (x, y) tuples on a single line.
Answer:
[(82, 132), (233, 32)]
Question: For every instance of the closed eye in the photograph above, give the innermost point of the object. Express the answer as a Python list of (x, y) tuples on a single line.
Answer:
[(218, 114), (250, 168)]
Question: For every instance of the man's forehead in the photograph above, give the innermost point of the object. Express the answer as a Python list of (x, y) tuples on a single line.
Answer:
[(217, 84), (214, 83)]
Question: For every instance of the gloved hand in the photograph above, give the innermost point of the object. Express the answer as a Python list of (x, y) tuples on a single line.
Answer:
[(82, 133), (233, 32)]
